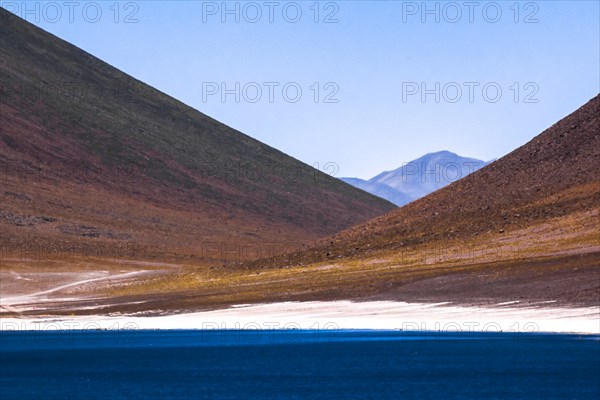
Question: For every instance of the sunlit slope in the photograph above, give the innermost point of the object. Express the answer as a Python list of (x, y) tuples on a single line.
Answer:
[(550, 182)]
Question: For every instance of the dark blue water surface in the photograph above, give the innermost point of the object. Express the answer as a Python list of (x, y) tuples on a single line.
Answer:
[(297, 365)]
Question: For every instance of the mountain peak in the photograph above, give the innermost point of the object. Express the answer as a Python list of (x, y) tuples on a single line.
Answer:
[(419, 177), (445, 153)]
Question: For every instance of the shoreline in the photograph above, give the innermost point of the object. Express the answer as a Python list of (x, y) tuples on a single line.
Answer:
[(507, 317)]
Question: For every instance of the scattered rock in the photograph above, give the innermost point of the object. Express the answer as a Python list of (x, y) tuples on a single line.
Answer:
[(18, 196), (92, 232)]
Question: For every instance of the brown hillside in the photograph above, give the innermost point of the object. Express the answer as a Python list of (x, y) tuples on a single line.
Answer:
[(523, 229), (96, 163), (555, 175)]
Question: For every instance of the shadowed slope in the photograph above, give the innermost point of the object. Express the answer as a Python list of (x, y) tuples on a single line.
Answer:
[(95, 162)]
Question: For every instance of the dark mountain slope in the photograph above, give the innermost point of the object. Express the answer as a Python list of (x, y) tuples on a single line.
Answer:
[(94, 160)]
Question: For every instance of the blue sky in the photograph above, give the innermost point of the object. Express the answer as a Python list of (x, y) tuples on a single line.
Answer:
[(368, 62)]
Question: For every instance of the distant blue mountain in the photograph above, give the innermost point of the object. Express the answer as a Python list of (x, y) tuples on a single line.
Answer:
[(419, 177), (380, 190)]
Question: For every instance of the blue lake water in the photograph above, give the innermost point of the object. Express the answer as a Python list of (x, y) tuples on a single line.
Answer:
[(297, 365)]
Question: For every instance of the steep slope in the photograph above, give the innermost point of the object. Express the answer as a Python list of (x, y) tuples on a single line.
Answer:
[(96, 163), (419, 177)]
